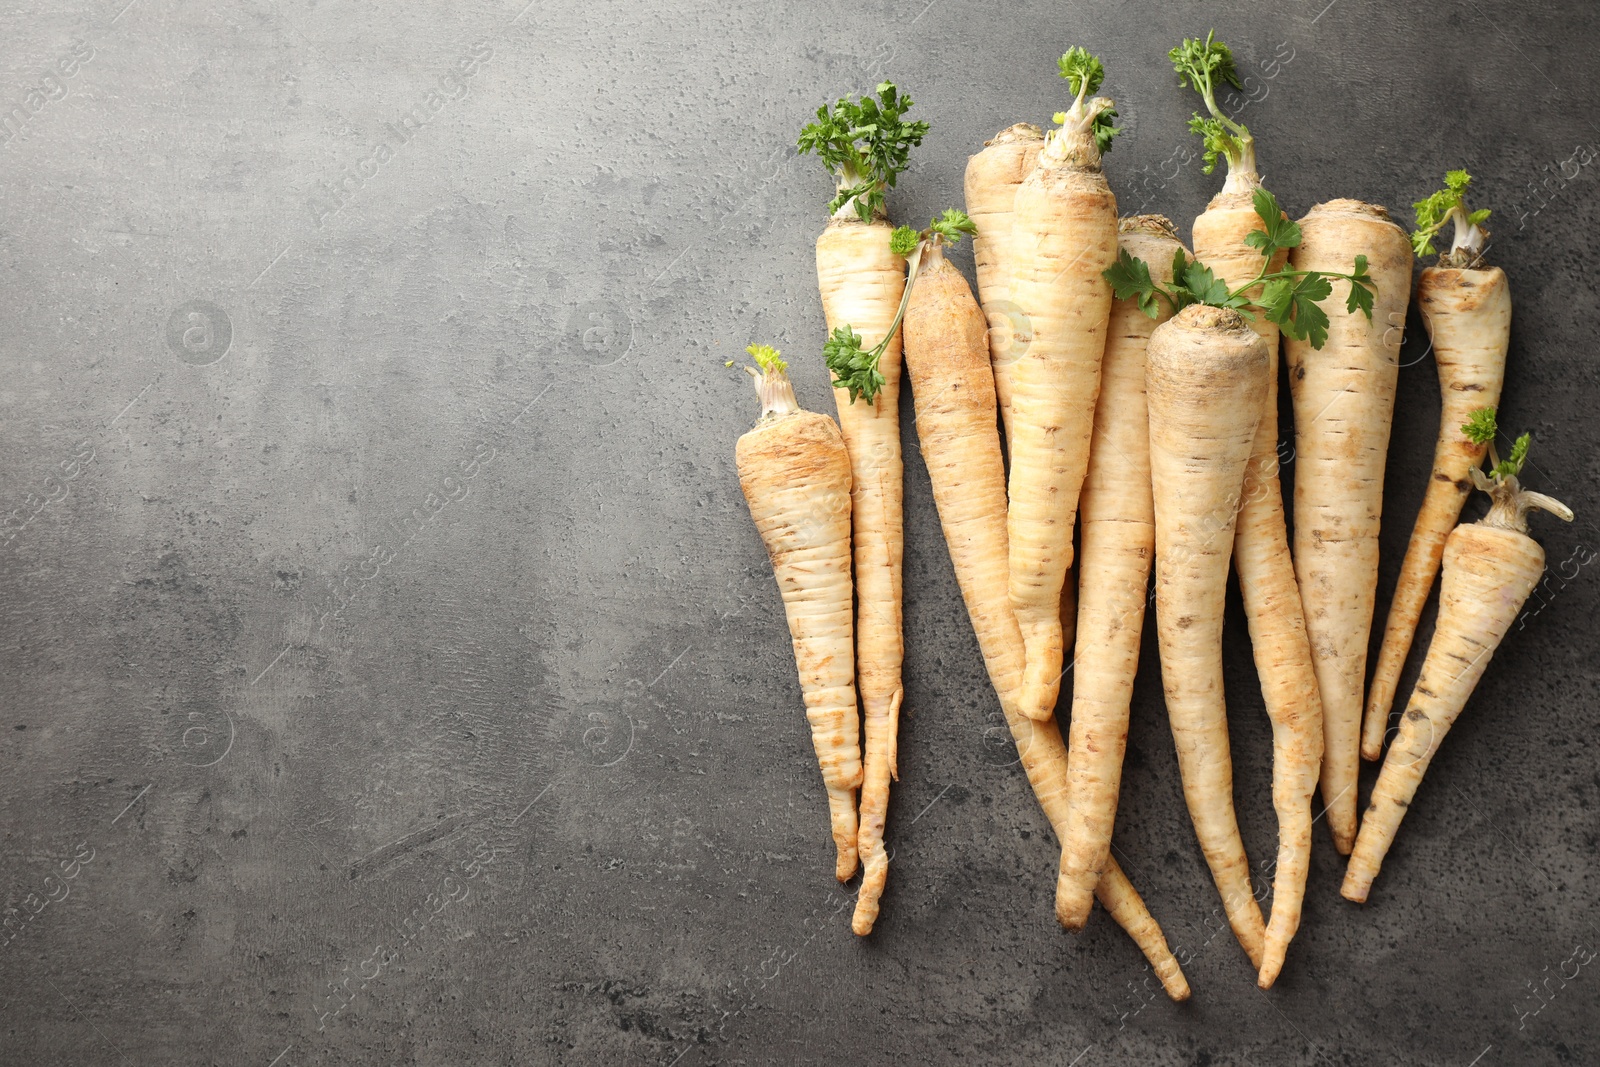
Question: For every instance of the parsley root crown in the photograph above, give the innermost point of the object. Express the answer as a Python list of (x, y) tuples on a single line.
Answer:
[(771, 381), (1084, 73), (1511, 502), (865, 144)]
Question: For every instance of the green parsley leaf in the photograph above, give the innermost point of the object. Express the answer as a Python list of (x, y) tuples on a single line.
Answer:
[(1480, 427), (1130, 277), (1076, 66), (1085, 73), (1277, 232), (1361, 290), (1207, 288), (1180, 260), (1104, 129), (1511, 466), (853, 368), (903, 241), (952, 224), (1204, 65), (1292, 304), (865, 144), (1216, 139), (1435, 210)]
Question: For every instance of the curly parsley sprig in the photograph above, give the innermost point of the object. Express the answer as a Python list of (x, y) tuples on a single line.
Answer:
[(947, 229), (1288, 297), (1449, 205), (1206, 66), (865, 144), (856, 369), (1481, 428)]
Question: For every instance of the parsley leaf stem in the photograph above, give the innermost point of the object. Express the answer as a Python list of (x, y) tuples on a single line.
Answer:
[(856, 370), (1290, 298), (1205, 66)]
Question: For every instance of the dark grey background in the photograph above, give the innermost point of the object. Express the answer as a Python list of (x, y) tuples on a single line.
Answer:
[(286, 778)]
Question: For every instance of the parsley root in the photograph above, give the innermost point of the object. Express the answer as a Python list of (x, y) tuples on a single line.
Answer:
[(1490, 567), (1206, 372), (796, 478), (946, 353), (1286, 297), (1271, 594), (1064, 234), (1343, 411), (865, 144), (1466, 308), (992, 179), (920, 251), (1117, 534)]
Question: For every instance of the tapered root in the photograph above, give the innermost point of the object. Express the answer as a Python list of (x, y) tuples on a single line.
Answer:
[(834, 735), (1468, 317), (877, 769), (1074, 899), (1294, 862), (861, 281), (1270, 590), (1488, 572), (1119, 898), (1042, 675), (1204, 374), (1117, 542), (795, 475), (842, 812), (1344, 399)]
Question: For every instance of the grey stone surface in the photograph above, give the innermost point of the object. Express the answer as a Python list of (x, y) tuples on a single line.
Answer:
[(392, 675)]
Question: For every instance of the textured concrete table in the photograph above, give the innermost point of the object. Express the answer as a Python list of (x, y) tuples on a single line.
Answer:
[(392, 675)]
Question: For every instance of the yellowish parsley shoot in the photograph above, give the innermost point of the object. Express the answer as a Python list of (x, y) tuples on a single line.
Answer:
[(769, 359)]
